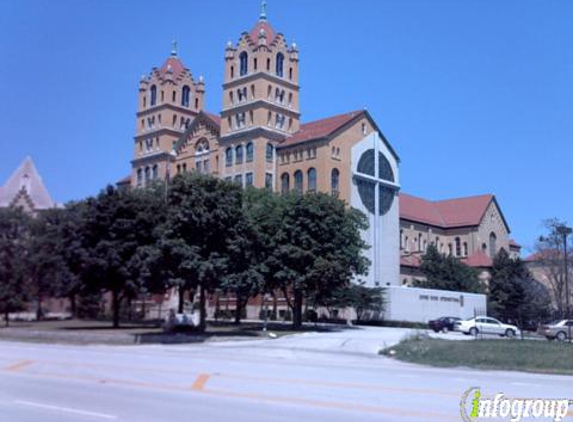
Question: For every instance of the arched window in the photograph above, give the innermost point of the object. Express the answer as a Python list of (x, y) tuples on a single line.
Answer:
[(244, 63), (239, 154), (232, 72), (229, 157), (458, 246), (139, 177), (492, 244), (270, 150), (290, 73), (311, 179), (185, 96), (202, 146), (147, 174), (250, 152), (465, 248), (153, 100), (155, 174), (285, 183), (298, 181), (334, 181), (280, 64)]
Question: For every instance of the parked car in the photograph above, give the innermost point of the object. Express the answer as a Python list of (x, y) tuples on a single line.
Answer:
[(443, 324), (558, 330), (486, 325)]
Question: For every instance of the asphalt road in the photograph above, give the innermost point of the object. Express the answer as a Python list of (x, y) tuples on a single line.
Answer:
[(327, 377)]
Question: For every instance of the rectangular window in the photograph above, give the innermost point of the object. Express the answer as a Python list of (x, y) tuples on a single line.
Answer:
[(249, 179), (239, 179)]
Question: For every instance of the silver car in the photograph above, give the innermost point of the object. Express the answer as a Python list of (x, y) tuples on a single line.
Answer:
[(558, 330)]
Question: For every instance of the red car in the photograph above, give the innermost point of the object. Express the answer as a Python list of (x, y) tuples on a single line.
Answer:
[(443, 324)]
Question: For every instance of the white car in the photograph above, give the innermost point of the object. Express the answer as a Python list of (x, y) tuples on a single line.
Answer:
[(486, 325)]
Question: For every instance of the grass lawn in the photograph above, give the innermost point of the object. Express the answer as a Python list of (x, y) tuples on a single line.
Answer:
[(515, 355), (81, 331)]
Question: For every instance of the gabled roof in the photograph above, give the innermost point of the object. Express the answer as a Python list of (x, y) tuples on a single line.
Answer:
[(26, 180), (324, 128), (320, 128), (449, 213), (203, 116)]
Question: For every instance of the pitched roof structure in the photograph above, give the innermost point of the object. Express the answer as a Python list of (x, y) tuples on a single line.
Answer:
[(449, 213), (25, 184), (173, 64), (320, 128), (478, 260), (265, 26)]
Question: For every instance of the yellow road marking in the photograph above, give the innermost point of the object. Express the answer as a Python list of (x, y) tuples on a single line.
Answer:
[(18, 366), (199, 384)]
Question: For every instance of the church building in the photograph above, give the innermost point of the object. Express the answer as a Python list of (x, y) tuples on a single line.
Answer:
[(258, 138)]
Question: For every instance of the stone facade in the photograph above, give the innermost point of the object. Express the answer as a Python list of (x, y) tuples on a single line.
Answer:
[(472, 229)]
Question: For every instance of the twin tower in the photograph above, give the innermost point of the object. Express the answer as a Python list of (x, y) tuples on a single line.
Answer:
[(260, 109), (257, 139)]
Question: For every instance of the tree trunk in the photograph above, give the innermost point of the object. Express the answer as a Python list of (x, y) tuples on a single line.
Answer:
[(297, 310), (238, 309), (73, 305), (39, 310), (7, 318), (115, 302), (202, 309), (181, 305)]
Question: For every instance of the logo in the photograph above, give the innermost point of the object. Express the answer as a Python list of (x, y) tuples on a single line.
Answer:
[(474, 407)]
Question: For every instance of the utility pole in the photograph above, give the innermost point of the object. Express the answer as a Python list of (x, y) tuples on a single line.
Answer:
[(566, 231)]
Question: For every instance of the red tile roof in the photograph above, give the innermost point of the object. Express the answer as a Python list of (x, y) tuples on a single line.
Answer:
[(478, 259), (545, 254), (458, 212), (215, 117), (254, 34), (126, 179), (177, 66), (410, 260), (320, 128)]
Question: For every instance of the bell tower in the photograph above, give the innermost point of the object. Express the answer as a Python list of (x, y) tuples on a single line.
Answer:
[(260, 103), (168, 101)]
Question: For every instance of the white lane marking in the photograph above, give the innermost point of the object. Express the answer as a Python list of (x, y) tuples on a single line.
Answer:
[(66, 409), (525, 384)]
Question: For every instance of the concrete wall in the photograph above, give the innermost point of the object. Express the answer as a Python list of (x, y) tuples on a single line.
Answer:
[(421, 305)]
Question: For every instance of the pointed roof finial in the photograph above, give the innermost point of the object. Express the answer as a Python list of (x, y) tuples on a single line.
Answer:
[(263, 15), (174, 47)]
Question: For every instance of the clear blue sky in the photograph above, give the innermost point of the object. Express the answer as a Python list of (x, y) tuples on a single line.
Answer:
[(475, 96)]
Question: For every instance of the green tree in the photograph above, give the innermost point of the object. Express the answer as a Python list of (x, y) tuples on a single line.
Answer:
[(445, 272), (45, 266), (318, 248), (118, 225), (203, 215), (13, 283), (513, 293), (364, 300)]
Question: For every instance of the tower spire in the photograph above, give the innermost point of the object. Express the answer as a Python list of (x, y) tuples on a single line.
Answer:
[(263, 15), (174, 48)]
